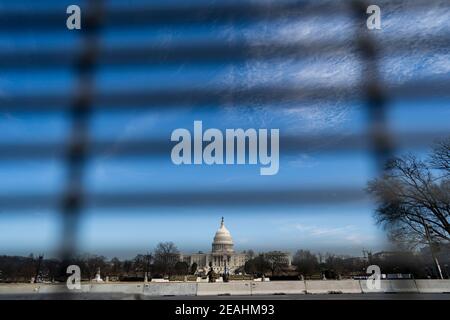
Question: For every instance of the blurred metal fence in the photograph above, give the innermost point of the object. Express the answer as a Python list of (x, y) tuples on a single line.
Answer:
[(85, 59)]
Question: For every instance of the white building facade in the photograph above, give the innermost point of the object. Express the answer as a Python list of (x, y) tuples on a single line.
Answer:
[(223, 258)]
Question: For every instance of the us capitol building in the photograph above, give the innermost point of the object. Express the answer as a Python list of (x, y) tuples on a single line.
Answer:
[(223, 258)]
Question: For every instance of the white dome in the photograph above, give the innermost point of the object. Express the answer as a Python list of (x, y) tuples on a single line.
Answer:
[(222, 239), (223, 236)]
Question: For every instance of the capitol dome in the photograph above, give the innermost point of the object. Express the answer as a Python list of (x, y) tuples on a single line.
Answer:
[(223, 242)]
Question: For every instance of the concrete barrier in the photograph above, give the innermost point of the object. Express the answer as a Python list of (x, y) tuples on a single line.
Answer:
[(391, 286), (224, 288), (171, 289), (61, 288), (403, 286), (235, 288), (160, 280), (332, 286), (385, 287), (278, 287), (19, 288), (129, 288), (433, 286)]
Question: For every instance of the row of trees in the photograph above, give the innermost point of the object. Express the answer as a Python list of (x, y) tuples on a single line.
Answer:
[(164, 261), (330, 266)]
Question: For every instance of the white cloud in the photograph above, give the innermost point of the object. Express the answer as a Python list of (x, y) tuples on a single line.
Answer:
[(346, 234), (303, 161), (319, 231), (343, 67)]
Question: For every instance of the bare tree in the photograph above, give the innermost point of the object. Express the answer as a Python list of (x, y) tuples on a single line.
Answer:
[(166, 255), (181, 268), (440, 159), (93, 263), (276, 261), (116, 266), (306, 262), (414, 198), (140, 264), (194, 268), (127, 266), (257, 266)]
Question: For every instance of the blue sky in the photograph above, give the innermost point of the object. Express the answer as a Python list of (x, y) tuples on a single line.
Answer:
[(344, 228)]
